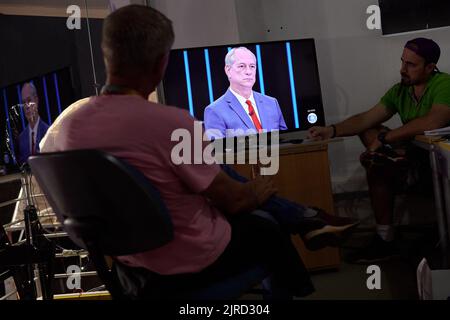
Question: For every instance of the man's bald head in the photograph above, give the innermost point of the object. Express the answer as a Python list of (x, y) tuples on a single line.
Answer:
[(230, 58), (240, 68), (28, 91)]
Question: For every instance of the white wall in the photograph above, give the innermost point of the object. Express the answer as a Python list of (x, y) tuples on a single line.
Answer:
[(200, 22), (356, 65)]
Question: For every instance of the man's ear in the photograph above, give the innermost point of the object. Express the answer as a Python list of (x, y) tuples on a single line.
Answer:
[(429, 68), (161, 65), (227, 69)]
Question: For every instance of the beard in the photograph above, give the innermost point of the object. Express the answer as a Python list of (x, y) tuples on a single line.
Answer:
[(405, 82), (419, 79)]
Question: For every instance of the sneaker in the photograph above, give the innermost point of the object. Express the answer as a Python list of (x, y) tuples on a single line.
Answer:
[(324, 230), (378, 250)]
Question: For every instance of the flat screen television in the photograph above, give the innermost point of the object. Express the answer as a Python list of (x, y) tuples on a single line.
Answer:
[(55, 92), (398, 16), (286, 70)]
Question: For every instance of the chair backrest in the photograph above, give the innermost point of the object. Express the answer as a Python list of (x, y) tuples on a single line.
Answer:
[(98, 196)]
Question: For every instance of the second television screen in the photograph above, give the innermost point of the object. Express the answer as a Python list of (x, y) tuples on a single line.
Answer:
[(286, 70)]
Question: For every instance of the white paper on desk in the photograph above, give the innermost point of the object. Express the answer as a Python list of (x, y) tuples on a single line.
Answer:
[(438, 132)]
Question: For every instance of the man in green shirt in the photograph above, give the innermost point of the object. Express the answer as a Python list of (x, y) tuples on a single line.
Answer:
[(422, 100)]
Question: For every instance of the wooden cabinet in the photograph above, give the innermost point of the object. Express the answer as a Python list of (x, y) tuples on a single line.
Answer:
[(304, 177)]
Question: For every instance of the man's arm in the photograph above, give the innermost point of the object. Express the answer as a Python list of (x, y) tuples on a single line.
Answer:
[(232, 197), (355, 124), (437, 117), (283, 125)]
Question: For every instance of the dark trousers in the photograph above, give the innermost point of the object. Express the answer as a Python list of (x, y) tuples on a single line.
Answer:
[(255, 242), (288, 214), (409, 173), (258, 241)]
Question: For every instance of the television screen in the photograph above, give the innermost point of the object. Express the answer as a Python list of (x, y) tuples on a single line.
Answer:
[(285, 70), (43, 97), (399, 16)]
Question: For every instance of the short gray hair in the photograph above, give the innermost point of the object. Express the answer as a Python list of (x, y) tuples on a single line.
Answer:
[(229, 58)]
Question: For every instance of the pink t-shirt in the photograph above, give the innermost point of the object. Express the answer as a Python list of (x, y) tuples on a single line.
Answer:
[(139, 132)]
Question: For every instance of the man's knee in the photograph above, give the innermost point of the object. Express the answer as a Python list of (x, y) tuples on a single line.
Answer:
[(265, 215), (365, 138), (367, 160), (255, 227), (377, 166), (368, 136)]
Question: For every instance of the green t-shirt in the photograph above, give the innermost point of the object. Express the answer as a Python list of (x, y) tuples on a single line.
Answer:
[(401, 98)]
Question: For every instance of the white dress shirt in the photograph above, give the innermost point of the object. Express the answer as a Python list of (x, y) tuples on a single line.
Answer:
[(244, 105)]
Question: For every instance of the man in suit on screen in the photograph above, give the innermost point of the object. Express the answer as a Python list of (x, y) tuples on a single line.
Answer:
[(30, 137), (241, 110)]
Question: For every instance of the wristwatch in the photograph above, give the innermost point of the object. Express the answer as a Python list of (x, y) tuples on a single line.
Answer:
[(334, 131), (382, 138)]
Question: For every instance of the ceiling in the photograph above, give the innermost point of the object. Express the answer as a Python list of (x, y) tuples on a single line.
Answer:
[(97, 8), (55, 3)]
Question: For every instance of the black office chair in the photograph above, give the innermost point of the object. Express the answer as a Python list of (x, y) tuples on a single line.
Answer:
[(111, 209)]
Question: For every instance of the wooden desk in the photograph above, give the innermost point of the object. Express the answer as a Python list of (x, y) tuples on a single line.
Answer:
[(304, 177)]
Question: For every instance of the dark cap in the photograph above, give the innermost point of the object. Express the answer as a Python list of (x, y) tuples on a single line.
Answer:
[(426, 48)]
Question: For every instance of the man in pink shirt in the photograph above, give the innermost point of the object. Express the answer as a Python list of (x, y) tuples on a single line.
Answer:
[(214, 233)]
